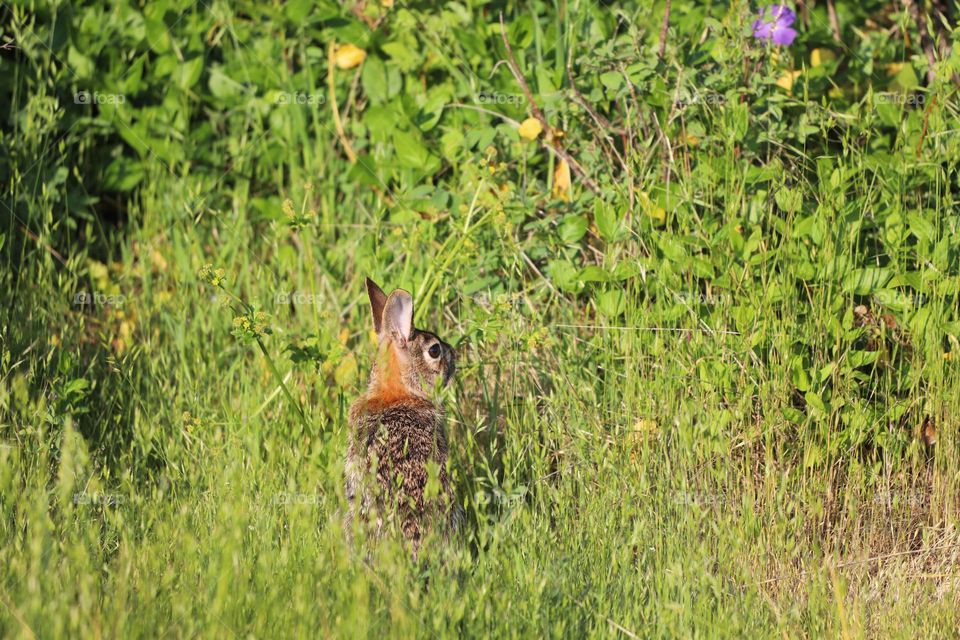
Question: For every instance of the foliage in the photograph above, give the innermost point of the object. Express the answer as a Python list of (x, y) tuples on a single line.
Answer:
[(712, 392)]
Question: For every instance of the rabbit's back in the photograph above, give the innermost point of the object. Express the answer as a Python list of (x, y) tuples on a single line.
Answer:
[(395, 443), (396, 465)]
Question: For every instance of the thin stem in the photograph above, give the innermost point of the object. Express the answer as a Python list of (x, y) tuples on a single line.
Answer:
[(283, 385), (538, 114)]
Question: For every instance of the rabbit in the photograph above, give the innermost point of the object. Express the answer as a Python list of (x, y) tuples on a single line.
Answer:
[(397, 432)]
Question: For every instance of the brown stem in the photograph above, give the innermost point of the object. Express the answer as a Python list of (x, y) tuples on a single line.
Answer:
[(834, 21), (604, 127), (926, 121), (538, 114), (331, 85), (664, 27), (925, 40)]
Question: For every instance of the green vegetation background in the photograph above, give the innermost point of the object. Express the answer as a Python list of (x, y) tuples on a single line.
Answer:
[(707, 389)]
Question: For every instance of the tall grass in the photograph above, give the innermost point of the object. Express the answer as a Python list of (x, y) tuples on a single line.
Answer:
[(718, 399)]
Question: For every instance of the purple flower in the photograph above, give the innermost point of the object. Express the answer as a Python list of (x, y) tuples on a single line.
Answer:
[(774, 25)]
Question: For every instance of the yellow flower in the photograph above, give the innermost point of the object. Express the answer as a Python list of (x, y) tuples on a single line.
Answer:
[(216, 277), (158, 260), (349, 56), (787, 79), (651, 209), (530, 128), (561, 181), (820, 56), (645, 425)]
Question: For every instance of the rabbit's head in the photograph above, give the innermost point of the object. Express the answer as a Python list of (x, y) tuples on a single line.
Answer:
[(409, 361)]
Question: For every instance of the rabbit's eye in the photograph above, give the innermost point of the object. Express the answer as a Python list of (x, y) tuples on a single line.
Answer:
[(434, 351)]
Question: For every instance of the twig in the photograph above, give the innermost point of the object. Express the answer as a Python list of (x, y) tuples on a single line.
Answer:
[(619, 627), (510, 121), (664, 28), (283, 385), (331, 85), (926, 121), (851, 563), (24, 627), (628, 135), (602, 121), (666, 143), (538, 114), (338, 124), (603, 125), (48, 248), (490, 112), (925, 40), (834, 20)]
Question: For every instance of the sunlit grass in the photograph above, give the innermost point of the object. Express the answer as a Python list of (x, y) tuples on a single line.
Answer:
[(721, 403)]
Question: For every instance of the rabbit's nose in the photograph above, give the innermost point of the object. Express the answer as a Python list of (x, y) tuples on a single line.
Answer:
[(449, 364)]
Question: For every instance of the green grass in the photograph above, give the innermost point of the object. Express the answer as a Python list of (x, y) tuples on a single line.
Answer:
[(698, 403)]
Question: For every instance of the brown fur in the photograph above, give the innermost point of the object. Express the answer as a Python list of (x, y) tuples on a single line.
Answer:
[(397, 432)]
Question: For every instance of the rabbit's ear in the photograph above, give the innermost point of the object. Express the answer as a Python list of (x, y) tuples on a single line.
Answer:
[(378, 300), (398, 316)]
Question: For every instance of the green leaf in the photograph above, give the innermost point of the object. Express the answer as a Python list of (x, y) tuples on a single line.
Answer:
[(81, 65), (612, 80), (123, 174), (572, 228), (297, 10), (611, 304), (223, 86), (923, 229), (866, 281), (373, 77), (563, 274), (409, 150), (673, 250), (593, 273), (188, 73), (789, 200), (364, 172), (452, 144), (401, 55), (607, 220), (857, 359), (157, 35), (799, 375), (739, 115)]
